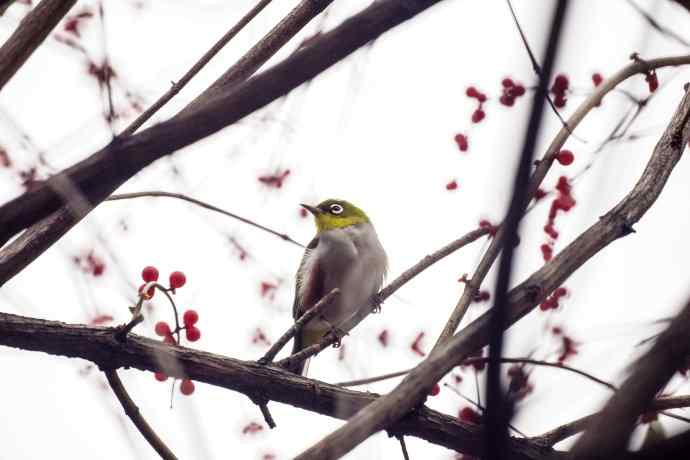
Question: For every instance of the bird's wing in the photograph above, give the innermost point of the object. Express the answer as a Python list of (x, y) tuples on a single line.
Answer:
[(309, 281)]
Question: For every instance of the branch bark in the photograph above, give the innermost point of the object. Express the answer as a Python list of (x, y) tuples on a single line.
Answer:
[(31, 32), (99, 345), (526, 296)]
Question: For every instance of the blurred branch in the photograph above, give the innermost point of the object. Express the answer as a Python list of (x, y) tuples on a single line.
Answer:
[(386, 292), (684, 3), (51, 214), (135, 416), (542, 168), (98, 345), (609, 432), (654, 24), (567, 430), (179, 196), (305, 318), (615, 224), (32, 30), (182, 82)]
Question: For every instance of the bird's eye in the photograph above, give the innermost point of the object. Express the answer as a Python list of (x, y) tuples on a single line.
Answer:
[(336, 209)]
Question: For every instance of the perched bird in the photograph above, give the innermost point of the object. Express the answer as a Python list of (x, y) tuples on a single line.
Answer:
[(345, 254)]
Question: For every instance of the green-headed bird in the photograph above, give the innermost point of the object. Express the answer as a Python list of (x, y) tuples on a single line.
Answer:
[(345, 254)]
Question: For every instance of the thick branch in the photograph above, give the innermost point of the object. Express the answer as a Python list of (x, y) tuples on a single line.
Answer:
[(31, 32), (99, 345), (526, 296), (608, 434), (135, 416)]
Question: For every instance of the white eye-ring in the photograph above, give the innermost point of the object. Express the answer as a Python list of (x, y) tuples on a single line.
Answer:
[(336, 209)]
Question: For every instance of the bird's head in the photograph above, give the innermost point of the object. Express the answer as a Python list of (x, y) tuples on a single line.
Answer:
[(332, 214)]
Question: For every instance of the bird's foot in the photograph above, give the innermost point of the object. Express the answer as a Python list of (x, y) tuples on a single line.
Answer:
[(339, 334)]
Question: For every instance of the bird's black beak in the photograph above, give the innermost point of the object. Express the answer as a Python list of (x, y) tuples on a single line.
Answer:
[(312, 209)]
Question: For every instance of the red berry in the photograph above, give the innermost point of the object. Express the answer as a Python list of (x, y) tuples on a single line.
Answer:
[(169, 339), (161, 377), (517, 90), (471, 91), (559, 101), (546, 252), (481, 97), (507, 83), (565, 157), (177, 280), (435, 390), (560, 292), (193, 333), (507, 100), (652, 81), (597, 79), (162, 329), (149, 274), (452, 185), (478, 115), (560, 83), (539, 194), (187, 387), (461, 141), (383, 337), (149, 293), (190, 317), (469, 415)]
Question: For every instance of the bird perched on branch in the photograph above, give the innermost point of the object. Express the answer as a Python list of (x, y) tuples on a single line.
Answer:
[(345, 254)]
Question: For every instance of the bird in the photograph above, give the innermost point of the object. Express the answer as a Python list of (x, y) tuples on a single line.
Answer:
[(346, 254)]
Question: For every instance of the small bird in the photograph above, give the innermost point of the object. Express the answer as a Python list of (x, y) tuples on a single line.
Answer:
[(345, 254)]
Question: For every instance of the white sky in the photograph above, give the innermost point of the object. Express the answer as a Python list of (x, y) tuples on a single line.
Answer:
[(376, 129)]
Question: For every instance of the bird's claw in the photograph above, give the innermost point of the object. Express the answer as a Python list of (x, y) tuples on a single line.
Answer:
[(376, 302), (339, 334)]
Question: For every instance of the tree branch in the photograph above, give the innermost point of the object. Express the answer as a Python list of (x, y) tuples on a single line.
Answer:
[(31, 32), (179, 196), (135, 416), (526, 296), (98, 345)]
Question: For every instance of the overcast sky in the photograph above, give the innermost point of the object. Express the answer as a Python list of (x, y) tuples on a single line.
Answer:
[(376, 129)]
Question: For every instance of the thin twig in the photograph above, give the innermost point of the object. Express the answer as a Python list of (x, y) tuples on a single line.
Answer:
[(182, 82), (305, 318), (135, 416), (386, 292), (403, 446), (179, 196)]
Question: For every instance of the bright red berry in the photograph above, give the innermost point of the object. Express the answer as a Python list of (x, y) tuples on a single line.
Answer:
[(161, 377), (471, 91), (149, 274), (169, 339), (652, 81), (190, 317), (193, 333), (452, 185), (435, 390), (517, 90), (507, 83), (565, 157), (559, 101), (481, 97), (539, 194), (162, 329), (187, 387), (507, 100), (177, 280), (469, 415), (461, 141), (597, 79), (478, 115), (560, 83), (560, 292)]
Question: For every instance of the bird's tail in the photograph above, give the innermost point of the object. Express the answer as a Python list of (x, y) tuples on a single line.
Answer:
[(301, 367)]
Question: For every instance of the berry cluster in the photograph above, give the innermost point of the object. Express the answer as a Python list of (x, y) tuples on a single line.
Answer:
[(551, 302), (478, 115), (511, 91), (563, 202), (558, 89)]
